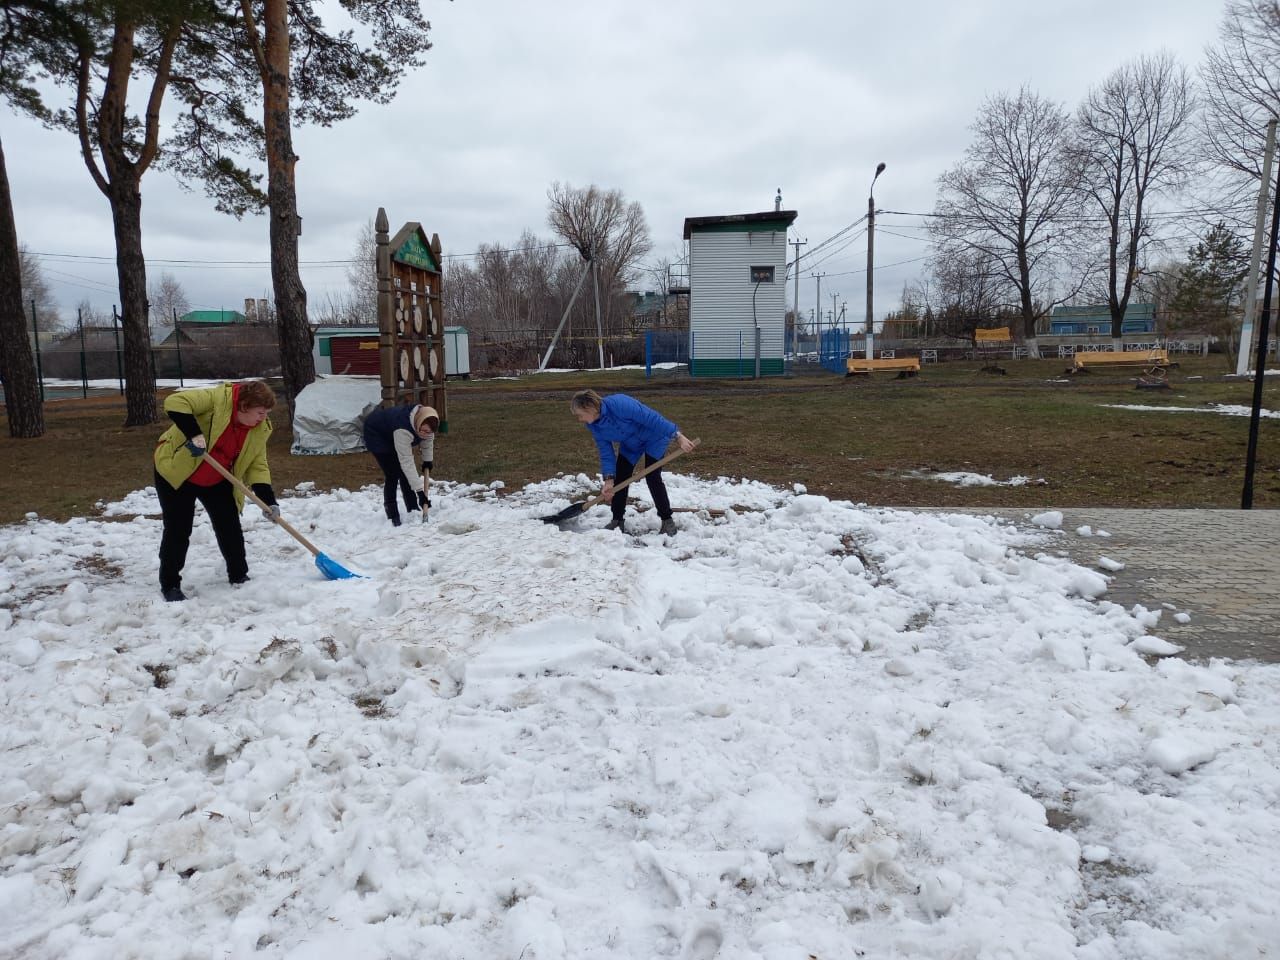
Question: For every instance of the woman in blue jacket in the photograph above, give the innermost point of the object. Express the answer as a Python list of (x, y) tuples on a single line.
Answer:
[(390, 434), (639, 431)]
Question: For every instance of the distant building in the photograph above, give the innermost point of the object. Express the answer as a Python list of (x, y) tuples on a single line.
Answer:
[(737, 293), (1096, 320), (212, 317), (91, 351), (227, 348), (648, 309), (353, 350)]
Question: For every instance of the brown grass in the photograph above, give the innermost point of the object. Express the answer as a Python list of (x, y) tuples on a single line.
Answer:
[(856, 439)]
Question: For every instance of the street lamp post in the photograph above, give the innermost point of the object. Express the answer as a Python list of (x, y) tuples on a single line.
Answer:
[(871, 246)]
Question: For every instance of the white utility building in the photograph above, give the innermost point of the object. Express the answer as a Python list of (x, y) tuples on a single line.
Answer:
[(737, 293)]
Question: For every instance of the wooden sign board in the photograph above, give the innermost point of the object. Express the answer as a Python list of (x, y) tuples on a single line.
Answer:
[(411, 318)]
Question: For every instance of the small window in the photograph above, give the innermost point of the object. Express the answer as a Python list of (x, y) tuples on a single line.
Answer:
[(762, 274)]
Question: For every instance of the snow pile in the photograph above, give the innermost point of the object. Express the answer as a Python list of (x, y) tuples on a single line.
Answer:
[(798, 728)]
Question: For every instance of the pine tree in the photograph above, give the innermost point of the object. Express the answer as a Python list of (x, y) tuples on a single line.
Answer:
[(1210, 285)]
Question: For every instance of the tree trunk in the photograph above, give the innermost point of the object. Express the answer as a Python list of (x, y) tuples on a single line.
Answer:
[(1026, 305), (296, 362), (17, 365), (125, 197)]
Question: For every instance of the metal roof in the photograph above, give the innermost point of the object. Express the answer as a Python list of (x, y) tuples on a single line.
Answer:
[(782, 218)]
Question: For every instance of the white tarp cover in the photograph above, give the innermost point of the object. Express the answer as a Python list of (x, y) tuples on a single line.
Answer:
[(330, 414)]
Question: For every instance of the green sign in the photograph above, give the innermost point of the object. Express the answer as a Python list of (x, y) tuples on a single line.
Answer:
[(415, 253)]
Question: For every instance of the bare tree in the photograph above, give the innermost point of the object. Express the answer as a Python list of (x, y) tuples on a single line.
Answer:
[(1134, 140), (35, 289), (90, 317), (969, 286), (606, 230), (1010, 198), (1241, 82), (167, 299), (362, 276)]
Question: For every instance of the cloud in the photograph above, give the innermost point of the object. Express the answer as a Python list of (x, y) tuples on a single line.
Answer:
[(690, 109)]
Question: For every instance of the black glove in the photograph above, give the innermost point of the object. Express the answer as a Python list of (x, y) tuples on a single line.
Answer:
[(423, 500), (197, 450)]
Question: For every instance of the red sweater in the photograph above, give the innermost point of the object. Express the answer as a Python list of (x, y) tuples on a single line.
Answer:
[(228, 447)]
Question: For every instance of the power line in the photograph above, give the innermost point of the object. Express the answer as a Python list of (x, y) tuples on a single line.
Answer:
[(1079, 218), (835, 236), (85, 257), (879, 267), (836, 251)]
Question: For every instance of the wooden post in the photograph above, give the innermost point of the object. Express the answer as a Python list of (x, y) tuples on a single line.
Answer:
[(386, 312)]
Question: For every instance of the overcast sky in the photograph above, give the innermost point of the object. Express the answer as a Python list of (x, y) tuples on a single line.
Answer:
[(692, 109)]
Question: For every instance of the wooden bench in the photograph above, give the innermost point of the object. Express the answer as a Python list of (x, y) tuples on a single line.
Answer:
[(905, 366), (1147, 359)]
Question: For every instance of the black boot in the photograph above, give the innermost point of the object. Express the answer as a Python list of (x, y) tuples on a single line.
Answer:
[(393, 515), (173, 594), (617, 524)]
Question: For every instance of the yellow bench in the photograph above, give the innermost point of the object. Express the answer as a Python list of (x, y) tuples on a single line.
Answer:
[(906, 366), (1148, 359)]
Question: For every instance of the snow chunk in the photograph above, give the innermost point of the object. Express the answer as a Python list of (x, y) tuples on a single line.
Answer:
[(1175, 754), (100, 858), (1050, 519), (1155, 647), (24, 651), (939, 890), (1106, 563), (532, 931), (1095, 853)]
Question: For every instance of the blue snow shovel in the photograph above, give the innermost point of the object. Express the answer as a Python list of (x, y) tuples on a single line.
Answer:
[(326, 564)]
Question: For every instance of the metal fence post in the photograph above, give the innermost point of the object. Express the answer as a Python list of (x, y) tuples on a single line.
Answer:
[(177, 342), (84, 372), (115, 329)]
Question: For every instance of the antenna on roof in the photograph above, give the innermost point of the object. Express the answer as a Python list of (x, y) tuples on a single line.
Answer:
[(777, 201)]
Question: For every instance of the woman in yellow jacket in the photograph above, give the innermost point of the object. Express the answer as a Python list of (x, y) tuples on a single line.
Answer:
[(229, 422)]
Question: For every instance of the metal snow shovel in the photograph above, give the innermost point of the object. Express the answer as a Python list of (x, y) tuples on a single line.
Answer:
[(577, 509), (326, 564)]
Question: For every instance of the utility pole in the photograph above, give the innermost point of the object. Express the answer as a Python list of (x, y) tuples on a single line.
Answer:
[(834, 297), (1260, 364), (871, 246), (795, 301), (1255, 260), (817, 314)]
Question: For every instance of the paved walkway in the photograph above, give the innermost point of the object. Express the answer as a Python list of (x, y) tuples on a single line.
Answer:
[(1220, 566)]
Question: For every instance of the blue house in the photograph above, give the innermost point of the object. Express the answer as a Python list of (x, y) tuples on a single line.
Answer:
[(1138, 318)]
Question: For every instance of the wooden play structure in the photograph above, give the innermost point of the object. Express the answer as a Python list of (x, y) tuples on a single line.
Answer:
[(410, 318)]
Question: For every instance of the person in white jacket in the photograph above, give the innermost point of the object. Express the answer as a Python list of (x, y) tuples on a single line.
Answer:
[(390, 434)]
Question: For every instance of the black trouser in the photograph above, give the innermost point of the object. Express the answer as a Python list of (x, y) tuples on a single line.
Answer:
[(178, 508), (657, 489), (393, 475)]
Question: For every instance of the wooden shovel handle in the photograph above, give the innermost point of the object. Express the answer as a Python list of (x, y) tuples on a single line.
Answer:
[(280, 521), (656, 465)]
